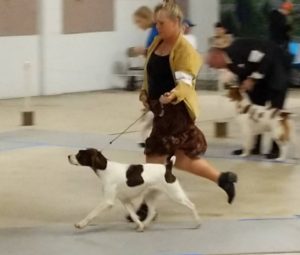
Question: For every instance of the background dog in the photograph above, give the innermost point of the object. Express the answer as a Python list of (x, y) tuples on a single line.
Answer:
[(255, 120)]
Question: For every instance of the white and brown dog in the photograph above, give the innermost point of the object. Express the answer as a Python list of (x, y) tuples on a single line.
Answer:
[(128, 182), (256, 120)]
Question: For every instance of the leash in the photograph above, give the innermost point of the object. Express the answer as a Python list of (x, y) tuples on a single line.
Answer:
[(125, 130)]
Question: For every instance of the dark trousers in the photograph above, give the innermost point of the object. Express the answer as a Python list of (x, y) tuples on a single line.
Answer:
[(261, 95)]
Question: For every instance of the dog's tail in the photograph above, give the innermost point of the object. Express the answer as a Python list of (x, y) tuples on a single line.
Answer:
[(170, 163)]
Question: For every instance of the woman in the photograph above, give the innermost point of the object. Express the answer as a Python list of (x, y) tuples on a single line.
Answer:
[(169, 92)]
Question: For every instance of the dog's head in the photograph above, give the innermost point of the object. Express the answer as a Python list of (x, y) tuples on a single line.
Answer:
[(89, 157), (234, 94)]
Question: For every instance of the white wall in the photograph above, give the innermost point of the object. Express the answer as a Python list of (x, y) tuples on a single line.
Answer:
[(14, 52), (204, 13), (83, 62)]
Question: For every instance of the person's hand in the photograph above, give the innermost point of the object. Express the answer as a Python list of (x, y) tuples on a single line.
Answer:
[(139, 51), (247, 85), (144, 100), (136, 51), (167, 98)]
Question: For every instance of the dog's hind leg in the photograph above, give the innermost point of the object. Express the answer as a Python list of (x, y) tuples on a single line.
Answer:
[(283, 150), (130, 208), (247, 145), (177, 194), (150, 200)]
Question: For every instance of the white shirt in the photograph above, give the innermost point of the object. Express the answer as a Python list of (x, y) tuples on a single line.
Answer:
[(192, 40)]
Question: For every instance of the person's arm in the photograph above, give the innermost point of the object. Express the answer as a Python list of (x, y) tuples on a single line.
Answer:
[(151, 37), (262, 60), (187, 63)]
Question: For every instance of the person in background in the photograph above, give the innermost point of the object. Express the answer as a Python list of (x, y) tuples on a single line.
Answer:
[(279, 26), (144, 19), (262, 68), (222, 37), (187, 27)]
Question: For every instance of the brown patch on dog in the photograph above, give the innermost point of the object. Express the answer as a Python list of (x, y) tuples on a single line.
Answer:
[(134, 175), (234, 94), (169, 177), (275, 112), (261, 115), (286, 127), (246, 109)]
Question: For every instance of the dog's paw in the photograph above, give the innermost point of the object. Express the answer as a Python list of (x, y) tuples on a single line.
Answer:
[(80, 225), (280, 160), (244, 155), (140, 228)]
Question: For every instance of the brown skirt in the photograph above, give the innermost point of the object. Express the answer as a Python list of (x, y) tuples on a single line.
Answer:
[(173, 130)]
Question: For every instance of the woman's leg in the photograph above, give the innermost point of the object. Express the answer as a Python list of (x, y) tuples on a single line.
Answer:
[(155, 159), (202, 168), (197, 166)]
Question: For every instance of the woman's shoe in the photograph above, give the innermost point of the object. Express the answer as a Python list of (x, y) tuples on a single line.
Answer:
[(226, 182)]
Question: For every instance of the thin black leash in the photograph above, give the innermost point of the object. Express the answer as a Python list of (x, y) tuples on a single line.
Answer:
[(125, 130)]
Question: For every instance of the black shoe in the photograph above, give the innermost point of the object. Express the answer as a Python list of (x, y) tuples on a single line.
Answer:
[(142, 212), (226, 182), (254, 151), (275, 151), (272, 155), (240, 152), (142, 145)]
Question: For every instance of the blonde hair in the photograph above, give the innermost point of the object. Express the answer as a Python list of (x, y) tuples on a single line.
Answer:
[(158, 7), (173, 9), (144, 12)]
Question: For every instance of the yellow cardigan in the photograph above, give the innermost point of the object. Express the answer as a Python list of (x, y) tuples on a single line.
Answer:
[(185, 64)]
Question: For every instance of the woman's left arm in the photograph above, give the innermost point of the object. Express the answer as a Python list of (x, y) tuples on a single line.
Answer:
[(186, 64)]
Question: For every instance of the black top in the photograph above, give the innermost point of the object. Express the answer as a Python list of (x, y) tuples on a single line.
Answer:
[(160, 76), (279, 28), (258, 59)]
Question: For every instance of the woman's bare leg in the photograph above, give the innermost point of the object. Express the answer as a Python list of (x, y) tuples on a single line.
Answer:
[(202, 168), (197, 166), (154, 159)]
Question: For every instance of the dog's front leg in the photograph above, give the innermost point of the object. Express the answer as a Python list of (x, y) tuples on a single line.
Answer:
[(247, 145), (94, 213), (109, 201), (129, 207)]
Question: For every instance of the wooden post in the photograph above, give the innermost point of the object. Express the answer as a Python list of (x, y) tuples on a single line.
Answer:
[(27, 114)]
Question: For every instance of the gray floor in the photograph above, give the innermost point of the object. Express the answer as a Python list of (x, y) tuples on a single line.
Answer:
[(42, 196), (214, 237)]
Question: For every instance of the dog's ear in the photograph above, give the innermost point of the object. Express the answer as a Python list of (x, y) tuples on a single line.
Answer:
[(99, 161)]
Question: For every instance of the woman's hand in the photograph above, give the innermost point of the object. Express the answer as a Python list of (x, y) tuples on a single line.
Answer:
[(144, 100), (167, 98)]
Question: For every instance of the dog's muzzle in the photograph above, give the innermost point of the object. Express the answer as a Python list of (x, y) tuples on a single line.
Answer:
[(73, 160)]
